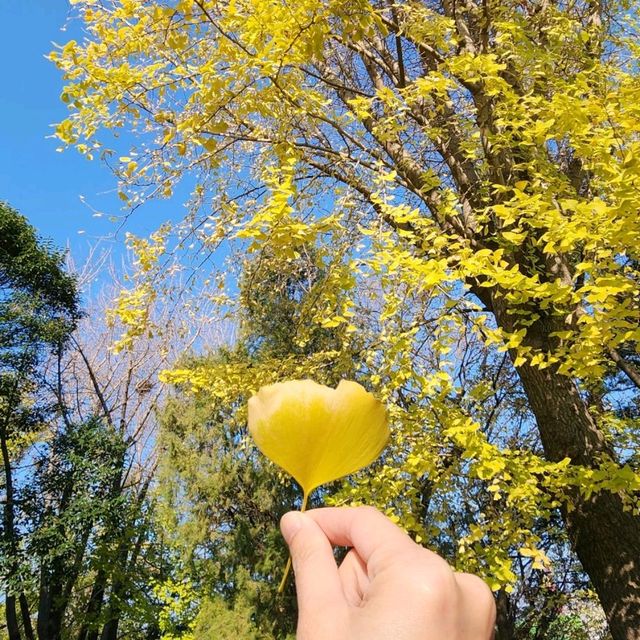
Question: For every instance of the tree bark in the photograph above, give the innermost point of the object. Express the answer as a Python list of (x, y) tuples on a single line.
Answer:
[(110, 629), (12, 619), (52, 607), (44, 607), (26, 618), (628, 369), (504, 617), (606, 538), (89, 629), (13, 628)]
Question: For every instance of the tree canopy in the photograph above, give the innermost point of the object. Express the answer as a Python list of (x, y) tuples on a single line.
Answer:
[(38, 311), (466, 177)]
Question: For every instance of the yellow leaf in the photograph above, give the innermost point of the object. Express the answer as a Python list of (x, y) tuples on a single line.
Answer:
[(315, 433)]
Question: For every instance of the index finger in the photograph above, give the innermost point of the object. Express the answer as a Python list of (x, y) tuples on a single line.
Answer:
[(363, 528)]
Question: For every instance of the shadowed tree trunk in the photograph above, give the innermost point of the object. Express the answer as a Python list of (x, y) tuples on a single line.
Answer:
[(26, 618), (89, 629), (504, 617), (12, 619), (606, 538), (13, 628)]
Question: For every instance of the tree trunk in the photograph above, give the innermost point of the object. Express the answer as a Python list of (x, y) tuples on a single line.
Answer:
[(51, 609), (504, 617), (119, 589), (126, 559), (44, 608), (110, 629), (12, 619), (89, 629), (56, 586), (26, 618), (606, 538), (13, 628)]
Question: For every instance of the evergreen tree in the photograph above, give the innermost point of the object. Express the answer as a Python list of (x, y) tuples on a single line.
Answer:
[(38, 311)]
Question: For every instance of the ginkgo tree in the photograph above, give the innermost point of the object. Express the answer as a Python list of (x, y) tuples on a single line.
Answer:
[(453, 165)]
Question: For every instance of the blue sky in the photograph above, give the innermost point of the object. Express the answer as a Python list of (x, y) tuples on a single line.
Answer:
[(43, 184)]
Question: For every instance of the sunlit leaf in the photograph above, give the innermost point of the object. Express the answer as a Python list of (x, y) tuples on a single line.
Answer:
[(315, 433)]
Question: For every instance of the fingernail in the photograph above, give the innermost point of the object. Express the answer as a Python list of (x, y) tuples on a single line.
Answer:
[(290, 524)]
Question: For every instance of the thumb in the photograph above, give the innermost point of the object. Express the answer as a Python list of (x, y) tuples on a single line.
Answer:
[(317, 581)]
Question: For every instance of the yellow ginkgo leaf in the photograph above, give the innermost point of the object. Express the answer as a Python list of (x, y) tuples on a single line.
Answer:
[(315, 433)]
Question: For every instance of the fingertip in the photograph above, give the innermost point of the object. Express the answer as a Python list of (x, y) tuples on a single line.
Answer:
[(314, 565), (363, 528), (290, 524)]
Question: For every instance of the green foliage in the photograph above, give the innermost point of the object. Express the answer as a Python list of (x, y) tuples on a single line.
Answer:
[(33, 267), (38, 311), (277, 306), (70, 495), (216, 621), (77, 553), (220, 500), (221, 504)]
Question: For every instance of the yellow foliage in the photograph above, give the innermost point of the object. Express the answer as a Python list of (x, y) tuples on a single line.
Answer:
[(133, 306), (507, 169), (315, 433)]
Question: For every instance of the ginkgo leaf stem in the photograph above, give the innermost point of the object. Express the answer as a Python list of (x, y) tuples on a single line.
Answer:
[(287, 568)]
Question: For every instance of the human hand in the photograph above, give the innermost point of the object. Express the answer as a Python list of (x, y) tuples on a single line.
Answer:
[(387, 587)]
